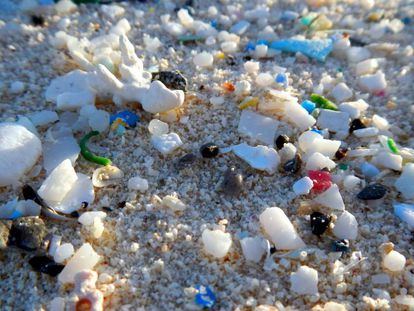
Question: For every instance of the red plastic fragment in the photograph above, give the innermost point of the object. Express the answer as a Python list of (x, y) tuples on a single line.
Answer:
[(321, 180)]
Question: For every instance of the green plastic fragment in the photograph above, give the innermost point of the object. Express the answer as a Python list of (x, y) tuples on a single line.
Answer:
[(308, 19), (343, 166), (88, 155), (189, 38), (323, 103), (392, 145)]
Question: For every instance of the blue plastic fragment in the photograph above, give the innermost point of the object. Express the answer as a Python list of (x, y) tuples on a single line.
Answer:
[(262, 41), (120, 130), (205, 296), (316, 49), (128, 117), (406, 20), (289, 16), (214, 23), (369, 170), (282, 79), (240, 27), (250, 46), (16, 214), (308, 105), (46, 2), (317, 131), (405, 212)]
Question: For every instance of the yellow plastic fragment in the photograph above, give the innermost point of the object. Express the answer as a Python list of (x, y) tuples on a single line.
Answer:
[(220, 55), (250, 102)]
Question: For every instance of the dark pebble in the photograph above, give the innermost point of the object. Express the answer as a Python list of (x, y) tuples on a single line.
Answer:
[(230, 60), (341, 153), (186, 161), (84, 204), (356, 42), (74, 214), (233, 182), (38, 20), (372, 192), (293, 165), (356, 124), (209, 150), (319, 223), (121, 204), (46, 265), (173, 80), (340, 246), (281, 140), (247, 58), (27, 233), (272, 250)]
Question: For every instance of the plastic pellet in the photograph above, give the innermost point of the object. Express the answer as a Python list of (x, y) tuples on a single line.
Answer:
[(323, 103)]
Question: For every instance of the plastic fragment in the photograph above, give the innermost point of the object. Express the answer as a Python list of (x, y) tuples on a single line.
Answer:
[(248, 103), (317, 49), (405, 212), (88, 155), (323, 103), (205, 296), (128, 118), (321, 180), (392, 145), (308, 105)]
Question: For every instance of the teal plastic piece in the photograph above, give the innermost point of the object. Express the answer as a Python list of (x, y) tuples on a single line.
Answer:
[(316, 49)]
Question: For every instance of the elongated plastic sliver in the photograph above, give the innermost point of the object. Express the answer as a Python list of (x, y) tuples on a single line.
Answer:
[(88, 155)]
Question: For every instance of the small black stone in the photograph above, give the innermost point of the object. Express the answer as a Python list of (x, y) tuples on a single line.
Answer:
[(230, 60), (46, 265), (186, 161), (341, 153), (356, 124), (319, 223), (121, 204), (201, 87), (209, 150), (171, 79), (340, 246), (233, 182), (74, 214), (356, 42), (372, 192), (281, 140), (272, 249), (27, 233), (293, 165), (84, 204), (38, 20), (247, 58)]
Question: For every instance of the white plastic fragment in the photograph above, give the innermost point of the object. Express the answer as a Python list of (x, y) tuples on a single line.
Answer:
[(65, 6), (357, 54), (216, 242), (261, 157), (299, 116), (158, 98), (280, 230), (331, 198), (19, 151), (85, 290), (59, 150), (405, 300), (394, 261), (74, 81), (43, 117), (174, 203), (75, 100), (373, 83), (351, 182), (367, 66), (346, 226), (252, 248), (93, 223), (17, 87), (242, 87), (405, 183), (303, 186), (354, 108), (112, 11), (264, 79), (99, 121), (380, 122), (84, 258), (63, 252), (366, 132), (157, 127), (388, 160), (54, 244), (304, 281), (405, 212), (318, 161), (311, 142), (341, 92), (258, 127), (166, 143), (58, 183), (138, 184), (203, 59), (251, 67), (334, 121), (217, 100)]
